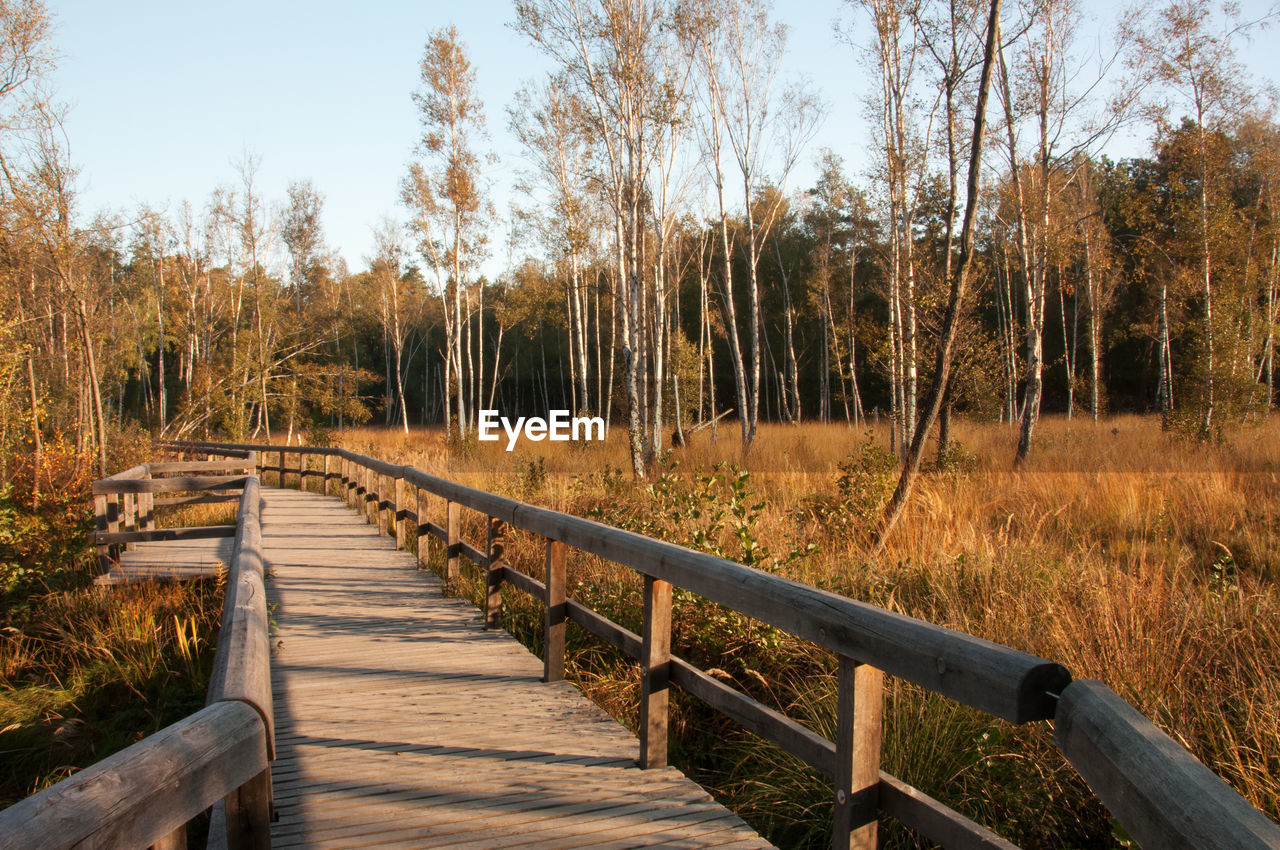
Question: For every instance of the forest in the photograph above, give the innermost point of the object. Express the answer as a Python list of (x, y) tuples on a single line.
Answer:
[(662, 272)]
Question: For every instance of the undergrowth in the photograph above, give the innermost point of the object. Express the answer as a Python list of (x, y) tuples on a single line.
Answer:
[(84, 671), (1129, 556)]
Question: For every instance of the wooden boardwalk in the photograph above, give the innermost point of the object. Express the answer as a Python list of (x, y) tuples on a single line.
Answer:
[(170, 559), (400, 721)]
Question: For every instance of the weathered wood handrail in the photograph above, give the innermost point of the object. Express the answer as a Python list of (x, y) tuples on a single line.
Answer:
[(124, 504), (1146, 779), (147, 793)]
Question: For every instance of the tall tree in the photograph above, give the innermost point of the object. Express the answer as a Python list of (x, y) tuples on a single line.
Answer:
[(445, 193), (765, 124), (958, 286), (610, 55), (1191, 55)]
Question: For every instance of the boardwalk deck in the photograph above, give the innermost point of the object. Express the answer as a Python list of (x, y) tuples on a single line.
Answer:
[(170, 559), (400, 721)]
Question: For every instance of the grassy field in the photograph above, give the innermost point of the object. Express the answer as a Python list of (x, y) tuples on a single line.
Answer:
[(1145, 560), (86, 671)]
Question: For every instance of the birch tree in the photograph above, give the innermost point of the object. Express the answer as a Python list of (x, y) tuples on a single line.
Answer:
[(1191, 55), (609, 55), (445, 194), (958, 287), (764, 125)]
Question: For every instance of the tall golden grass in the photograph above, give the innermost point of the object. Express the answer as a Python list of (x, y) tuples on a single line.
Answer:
[(1135, 557), (87, 670)]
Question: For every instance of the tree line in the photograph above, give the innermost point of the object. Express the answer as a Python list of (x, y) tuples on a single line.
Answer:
[(662, 271)]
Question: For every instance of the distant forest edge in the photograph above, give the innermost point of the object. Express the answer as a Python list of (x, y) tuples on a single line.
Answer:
[(661, 272)]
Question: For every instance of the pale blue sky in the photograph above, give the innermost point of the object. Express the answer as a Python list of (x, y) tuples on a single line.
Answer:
[(165, 96)]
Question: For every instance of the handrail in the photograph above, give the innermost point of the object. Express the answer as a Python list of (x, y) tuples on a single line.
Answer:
[(1145, 778), (147, 793)]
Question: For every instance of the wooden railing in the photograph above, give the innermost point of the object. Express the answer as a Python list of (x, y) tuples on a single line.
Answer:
[(1154, 787), (124, 505), (146, 794)]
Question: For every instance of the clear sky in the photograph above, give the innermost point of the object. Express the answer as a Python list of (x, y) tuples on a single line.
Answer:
[(165, 97)]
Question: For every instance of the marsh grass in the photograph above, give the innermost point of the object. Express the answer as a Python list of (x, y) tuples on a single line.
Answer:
[(86, 671), (1145, 560)]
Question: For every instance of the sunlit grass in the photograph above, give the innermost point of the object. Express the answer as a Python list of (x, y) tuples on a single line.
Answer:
[(86, 670), (1145, 560)]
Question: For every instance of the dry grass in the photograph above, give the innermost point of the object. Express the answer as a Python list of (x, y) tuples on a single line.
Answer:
[(85, 670), (1147, 561)]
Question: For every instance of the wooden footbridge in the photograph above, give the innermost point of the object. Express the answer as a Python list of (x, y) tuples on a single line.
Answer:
[(354, 704)]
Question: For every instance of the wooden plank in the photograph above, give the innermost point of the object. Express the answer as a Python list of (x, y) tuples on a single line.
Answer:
[(247, 814), (439, 532), (859, 712), (473, 554), (1014, 685), (421, 525), (194, 532), (555, 614), (176, 840), (803, 743), (397, 504), (531, 586), (171, 467), (1158, 791), (100, 528), (371, 497), (452, 537), (1002, 681), (231, 496), (242, 663), (605, 629), (496, 547), (934, 820), (129, 518), (146, 791), (655, 672), (181, 484), (379, 682)]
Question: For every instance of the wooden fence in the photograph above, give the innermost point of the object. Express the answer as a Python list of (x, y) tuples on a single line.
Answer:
[(124, 504), (146, 794), (217, 758), (1154, 787)]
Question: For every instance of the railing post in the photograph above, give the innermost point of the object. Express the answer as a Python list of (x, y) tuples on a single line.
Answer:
[(147, 511), (248, 811), (421, 506), (397, 505), (100, 517), (453, 514), (556, 615), (146, 508), (130, 516), (302, 471), (655, 672), (176, 840), (384, 521), (370, 496), (493, 577), (859, 711), (324, 486)]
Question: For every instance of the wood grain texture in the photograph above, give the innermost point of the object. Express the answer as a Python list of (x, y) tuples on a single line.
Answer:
[(401, 721), (170, 561), (146, 791), (1158, 790)]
